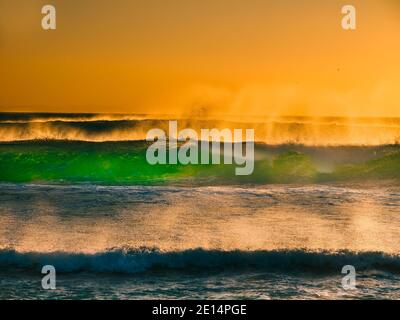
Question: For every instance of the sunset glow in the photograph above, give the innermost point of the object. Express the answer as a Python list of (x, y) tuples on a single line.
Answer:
[(222, 57)]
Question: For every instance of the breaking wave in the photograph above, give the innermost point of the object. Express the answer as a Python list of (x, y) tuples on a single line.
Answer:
[(131, 261), (273, 131)]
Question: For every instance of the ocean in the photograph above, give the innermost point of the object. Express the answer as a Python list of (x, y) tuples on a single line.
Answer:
[(77, 193)]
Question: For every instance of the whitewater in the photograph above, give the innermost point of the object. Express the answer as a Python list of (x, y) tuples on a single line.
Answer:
[(202, 242)]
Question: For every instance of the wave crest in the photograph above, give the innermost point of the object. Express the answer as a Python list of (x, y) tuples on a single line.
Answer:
[(273, 131), (132, 261)]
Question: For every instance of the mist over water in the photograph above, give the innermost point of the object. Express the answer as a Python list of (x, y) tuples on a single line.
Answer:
[(77, 192), (318, 83), (273, 130), (271, 238)]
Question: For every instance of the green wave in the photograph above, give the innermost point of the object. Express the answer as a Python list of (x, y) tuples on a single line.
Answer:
[(125, 163)]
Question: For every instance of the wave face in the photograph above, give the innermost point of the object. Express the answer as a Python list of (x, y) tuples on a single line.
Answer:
[(273, 131), (125, 163), (137, 261)]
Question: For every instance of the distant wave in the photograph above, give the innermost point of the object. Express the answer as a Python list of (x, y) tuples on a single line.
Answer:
[(132, 261), (9, 117), (273, 131)]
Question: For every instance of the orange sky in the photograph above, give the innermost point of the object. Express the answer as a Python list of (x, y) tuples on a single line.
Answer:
[(252, 57)]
